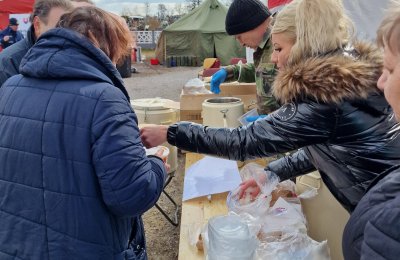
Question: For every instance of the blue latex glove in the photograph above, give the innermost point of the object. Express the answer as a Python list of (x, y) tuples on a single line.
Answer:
[(254, 118), (217, 79)]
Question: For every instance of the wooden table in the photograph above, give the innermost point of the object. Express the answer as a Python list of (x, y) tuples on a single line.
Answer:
[(198, 210)]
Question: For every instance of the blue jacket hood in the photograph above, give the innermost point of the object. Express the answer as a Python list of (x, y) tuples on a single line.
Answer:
[(64, 54)]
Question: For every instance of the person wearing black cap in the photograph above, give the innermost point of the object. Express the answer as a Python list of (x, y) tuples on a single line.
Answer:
[(11, 34), (249, 22)]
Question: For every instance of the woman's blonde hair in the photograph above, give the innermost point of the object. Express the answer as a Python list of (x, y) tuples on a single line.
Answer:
[(388, 34), (315, 26), (105, 30)]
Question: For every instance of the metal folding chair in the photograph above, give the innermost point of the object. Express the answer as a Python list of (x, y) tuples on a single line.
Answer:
[(174, 219)]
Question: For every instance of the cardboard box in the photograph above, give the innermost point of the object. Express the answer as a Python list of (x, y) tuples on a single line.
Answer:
[(191, 105)]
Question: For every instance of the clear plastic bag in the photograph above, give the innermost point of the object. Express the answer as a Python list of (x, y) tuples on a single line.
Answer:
[(228, 237), (258, 205), (291, 246), (195, 86), (282, 217), (195, 236)]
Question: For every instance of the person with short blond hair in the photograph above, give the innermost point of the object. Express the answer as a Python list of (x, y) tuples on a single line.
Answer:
[(373, 230), (75, 178)]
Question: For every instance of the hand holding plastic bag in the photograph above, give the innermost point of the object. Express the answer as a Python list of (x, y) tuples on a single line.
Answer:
[(217, 79), (257, 180), (253, 196)]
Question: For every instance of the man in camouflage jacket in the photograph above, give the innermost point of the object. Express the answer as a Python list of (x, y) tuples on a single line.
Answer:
[(249, 22)]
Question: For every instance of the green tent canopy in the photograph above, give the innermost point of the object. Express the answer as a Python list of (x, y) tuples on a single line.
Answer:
[(201, 34)]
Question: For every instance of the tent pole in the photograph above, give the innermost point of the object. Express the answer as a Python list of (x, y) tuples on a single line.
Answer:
[(165, 48)]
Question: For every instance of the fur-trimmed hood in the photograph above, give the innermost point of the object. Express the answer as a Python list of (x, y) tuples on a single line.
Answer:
[(333, 78)]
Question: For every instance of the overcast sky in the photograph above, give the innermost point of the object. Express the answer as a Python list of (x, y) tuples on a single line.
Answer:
[(117, 6)]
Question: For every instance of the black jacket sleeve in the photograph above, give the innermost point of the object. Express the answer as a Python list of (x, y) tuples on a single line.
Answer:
[(291, 166), (291, 127)]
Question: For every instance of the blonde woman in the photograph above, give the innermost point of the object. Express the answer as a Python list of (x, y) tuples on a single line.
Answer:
[(331, 108), (373, 230), (74, 177)]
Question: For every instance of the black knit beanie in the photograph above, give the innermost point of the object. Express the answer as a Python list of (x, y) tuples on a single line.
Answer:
[(245, 15)]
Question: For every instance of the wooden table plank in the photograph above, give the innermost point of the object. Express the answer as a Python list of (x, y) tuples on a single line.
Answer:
[(197, 212)]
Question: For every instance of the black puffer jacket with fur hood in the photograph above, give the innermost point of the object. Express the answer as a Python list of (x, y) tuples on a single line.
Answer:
[(331, 109)]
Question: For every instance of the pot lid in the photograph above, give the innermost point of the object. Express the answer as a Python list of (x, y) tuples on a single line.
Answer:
[(149, 103)]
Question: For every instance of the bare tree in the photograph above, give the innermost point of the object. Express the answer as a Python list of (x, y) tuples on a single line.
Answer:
[(146, 12), (192, 4), (179, 9), (162, 12)]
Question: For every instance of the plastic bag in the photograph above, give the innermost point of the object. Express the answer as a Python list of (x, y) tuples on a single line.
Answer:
[(195, 236), (295, 245), (195, 86), (282, 217), (285, 190), (259, 205), (266, 180), (228, 237)]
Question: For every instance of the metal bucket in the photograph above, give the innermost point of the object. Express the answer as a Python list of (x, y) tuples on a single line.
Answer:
[(222, 111), (153, 111)]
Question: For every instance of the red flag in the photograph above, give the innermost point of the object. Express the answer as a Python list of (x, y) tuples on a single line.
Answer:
[(276, 5)]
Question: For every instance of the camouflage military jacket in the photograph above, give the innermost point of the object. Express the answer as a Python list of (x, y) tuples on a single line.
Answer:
[(262, 72)]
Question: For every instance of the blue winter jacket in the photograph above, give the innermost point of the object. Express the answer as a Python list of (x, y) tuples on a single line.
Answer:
[(15, 36), (74, 177), (373, 230), (11, 57)]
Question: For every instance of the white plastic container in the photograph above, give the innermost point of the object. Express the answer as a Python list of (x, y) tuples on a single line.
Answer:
[(153, 111), (222, 111), (154, 150)]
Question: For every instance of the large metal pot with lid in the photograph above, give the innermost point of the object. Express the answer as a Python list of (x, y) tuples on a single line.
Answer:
[(154, 111), (222, 111)]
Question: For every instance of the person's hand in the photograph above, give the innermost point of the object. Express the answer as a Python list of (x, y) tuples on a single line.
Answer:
[(159, 153), (6, 38), (254, 118), (217, 79), (153, 135), (249, 187)]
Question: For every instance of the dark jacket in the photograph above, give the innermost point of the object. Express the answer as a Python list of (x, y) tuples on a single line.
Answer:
[(74, 174), (332, 109), (15, 36), (373, 230), (11, 57)]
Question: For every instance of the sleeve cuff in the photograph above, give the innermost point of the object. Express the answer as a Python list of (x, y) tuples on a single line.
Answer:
[(171, 134)]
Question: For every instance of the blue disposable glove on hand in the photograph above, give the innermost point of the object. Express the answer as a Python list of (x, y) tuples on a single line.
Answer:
[(254, 118), (217, 79)]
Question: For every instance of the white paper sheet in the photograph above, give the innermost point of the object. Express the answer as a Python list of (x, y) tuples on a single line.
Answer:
[(210, 175)]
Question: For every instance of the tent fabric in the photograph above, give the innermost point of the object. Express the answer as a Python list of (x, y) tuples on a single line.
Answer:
[(366, 15), (201, 34), (8, 7)]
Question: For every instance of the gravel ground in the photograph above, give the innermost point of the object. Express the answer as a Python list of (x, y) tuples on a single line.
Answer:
[(159, 81)]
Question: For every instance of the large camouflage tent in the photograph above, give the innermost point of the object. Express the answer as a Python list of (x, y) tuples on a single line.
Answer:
[(201, 34)]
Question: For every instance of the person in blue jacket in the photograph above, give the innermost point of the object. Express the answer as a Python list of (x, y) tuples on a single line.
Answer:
[(10, 35), (74, 176), (373, 230)]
